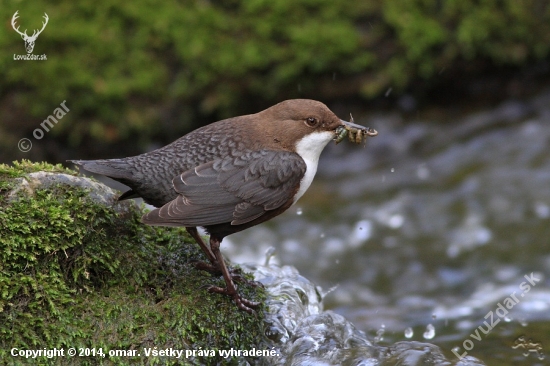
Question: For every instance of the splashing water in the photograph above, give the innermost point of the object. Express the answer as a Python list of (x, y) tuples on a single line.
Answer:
[(380, 334)]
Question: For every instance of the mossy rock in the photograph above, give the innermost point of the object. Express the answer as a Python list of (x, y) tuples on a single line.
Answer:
[(78, 269)]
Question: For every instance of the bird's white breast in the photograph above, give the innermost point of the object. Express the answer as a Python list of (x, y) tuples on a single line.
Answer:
[(310, 148)]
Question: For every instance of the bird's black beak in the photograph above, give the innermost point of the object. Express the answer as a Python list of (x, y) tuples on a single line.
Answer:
[(354, 131)]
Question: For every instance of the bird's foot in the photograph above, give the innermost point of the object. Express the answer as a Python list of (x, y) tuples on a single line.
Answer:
[(203, 266), (235, 273), (242, 303), (214, 269), (228, 275)]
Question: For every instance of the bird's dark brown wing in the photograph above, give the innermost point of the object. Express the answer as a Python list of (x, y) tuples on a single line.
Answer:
[(236, 189)]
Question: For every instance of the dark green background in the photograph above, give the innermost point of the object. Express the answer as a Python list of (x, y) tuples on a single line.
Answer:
[(139, 74)]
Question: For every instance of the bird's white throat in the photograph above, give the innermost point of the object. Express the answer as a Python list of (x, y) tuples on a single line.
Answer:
[(310, 148)]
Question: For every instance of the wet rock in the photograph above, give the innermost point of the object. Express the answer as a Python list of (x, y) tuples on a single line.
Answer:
[(97, 191)]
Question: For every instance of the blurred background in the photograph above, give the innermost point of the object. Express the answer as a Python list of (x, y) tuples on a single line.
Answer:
[(419, 234)]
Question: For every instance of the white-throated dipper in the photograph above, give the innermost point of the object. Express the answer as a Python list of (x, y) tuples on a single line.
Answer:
[(232, 174)]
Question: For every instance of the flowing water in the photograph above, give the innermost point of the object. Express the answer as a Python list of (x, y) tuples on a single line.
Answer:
[(435, 231)]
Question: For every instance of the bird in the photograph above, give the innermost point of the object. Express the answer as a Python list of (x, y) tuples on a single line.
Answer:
[(231, 175)]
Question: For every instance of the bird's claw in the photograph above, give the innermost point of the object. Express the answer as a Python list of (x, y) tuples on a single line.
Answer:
[(235, 273), (242, 303)]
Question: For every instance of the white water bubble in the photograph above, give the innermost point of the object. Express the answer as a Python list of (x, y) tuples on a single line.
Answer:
[(409, 332), (542, 210), (422, 172), (362, 231), (430, 332), (396, 221), (523, 322)]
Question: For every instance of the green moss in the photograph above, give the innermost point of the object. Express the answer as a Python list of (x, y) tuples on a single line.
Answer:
[(75, 273)]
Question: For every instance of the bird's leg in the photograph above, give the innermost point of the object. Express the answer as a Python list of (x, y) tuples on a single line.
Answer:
[(213, 267), (195, 234), (231, 288)]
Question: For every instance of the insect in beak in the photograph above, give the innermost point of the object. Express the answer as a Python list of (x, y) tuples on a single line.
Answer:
[(356, 133)]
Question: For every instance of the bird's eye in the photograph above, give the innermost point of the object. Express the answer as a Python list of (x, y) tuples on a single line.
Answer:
[(311, 121)]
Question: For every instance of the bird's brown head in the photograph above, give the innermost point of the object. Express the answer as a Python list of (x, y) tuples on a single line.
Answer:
[(288, 122)]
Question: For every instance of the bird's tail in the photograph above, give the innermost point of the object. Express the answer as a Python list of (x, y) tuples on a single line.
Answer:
[(117, 169), (113, 168)]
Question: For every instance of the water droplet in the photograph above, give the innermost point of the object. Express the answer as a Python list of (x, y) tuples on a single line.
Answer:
[(430, 332), (269, 253), (409, 332), (392, 170), (523, 323), (299, 211), (422, 172), (396, 221), (542, 210), (434, 316), (361, 232), (380, 334), (322, 235), (507, 319), (388, 92)]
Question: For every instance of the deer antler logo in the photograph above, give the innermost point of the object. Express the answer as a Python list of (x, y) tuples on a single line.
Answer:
[(29, 41)]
